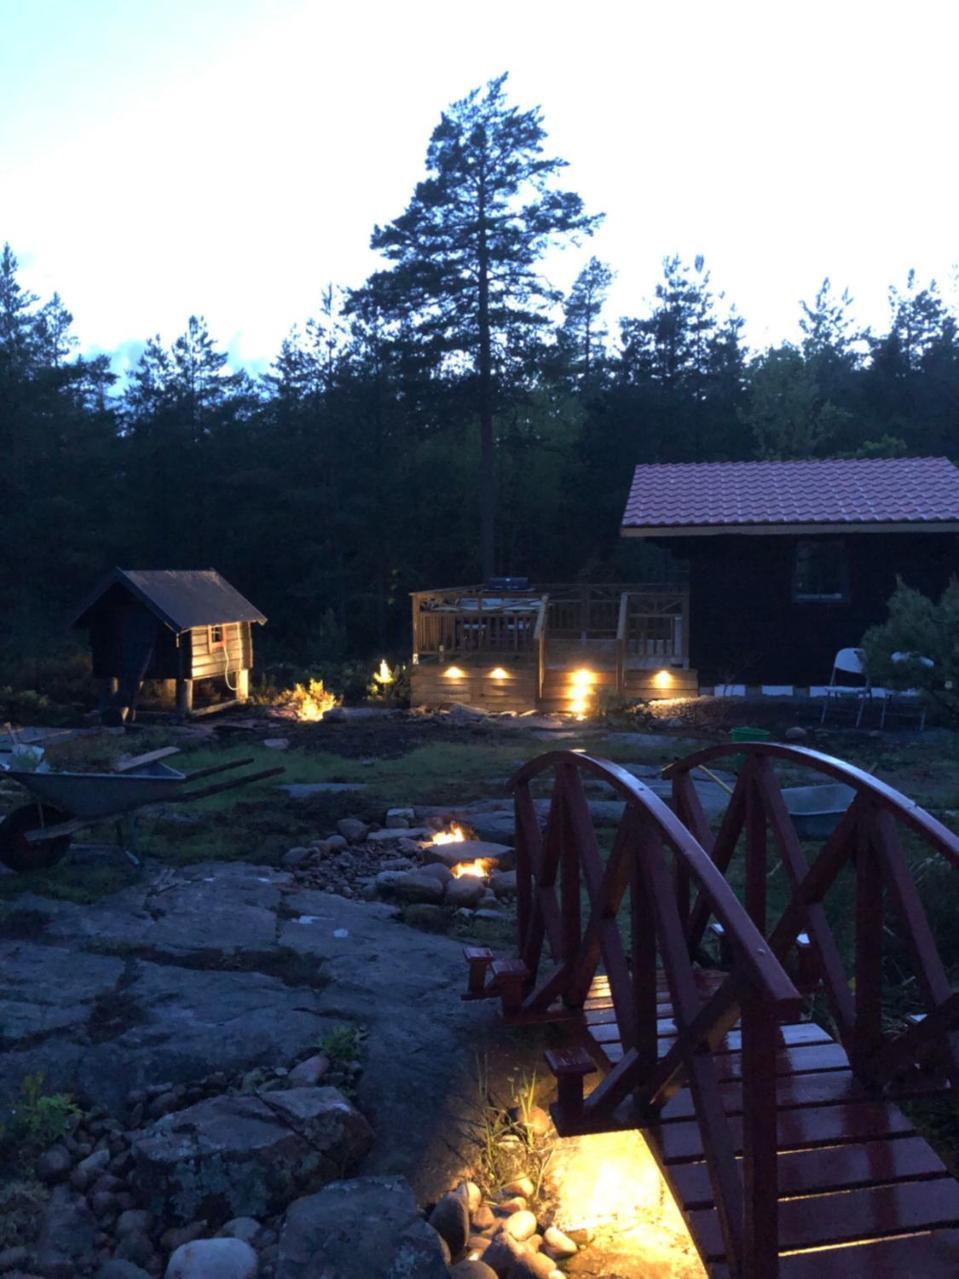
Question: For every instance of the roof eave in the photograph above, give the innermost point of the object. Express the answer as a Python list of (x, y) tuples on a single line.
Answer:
[(740, 530)]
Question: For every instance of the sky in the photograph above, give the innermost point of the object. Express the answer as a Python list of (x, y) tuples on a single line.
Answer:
[(229, 158)]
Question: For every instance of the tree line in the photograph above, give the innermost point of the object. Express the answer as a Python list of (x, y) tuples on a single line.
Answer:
[(452, 417)]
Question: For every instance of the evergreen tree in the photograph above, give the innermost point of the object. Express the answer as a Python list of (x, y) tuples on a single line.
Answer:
[(465, 254)]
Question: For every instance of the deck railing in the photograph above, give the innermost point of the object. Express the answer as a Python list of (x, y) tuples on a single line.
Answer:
[(474, 620)]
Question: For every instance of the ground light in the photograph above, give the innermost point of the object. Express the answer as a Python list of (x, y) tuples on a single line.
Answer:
[(580, 691), (498, 673), (610, 1185), (663, 679), (454, 672)]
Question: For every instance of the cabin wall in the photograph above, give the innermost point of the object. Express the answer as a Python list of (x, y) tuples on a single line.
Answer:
[(205, 661), (745, 626), (107, 627)]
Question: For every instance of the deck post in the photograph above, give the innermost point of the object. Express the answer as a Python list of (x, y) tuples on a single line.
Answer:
[(760, 1171), (243, 686), (184, 696)]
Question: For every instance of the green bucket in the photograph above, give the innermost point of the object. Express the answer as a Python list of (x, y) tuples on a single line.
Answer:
[(746, 734)]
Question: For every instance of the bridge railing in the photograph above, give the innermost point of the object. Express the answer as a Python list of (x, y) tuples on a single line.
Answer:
[(920, 1056), (653, 858)]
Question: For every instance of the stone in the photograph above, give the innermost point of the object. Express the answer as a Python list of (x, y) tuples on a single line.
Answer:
[(532, 1265), (796, 733), (407, 815), (511, 1204), (391, 834), (247, 1155), (491, 916), (54, 1165), (558, 1244), (120, 1269), (450, 1218), (352, 829), (538, 1122), (335, 842), (246, 1228), (133, 1219), (431, 919), (213, 1259), (520, 1186), (471, 1192), (466, 892), (483, 1217), (503, 1253), (276, 743), (13, 1258), (176, 1236), (68, 1231), (309, 1073), (365, 1228), (468, 850), (473, 1270), (135, 1246), (503, 883), (296, 855), (438, 871), (416, 886), (521, 1224)]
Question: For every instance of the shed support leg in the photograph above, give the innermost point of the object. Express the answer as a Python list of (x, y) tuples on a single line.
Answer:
[(168, 692), (243, 686), (184, 696)]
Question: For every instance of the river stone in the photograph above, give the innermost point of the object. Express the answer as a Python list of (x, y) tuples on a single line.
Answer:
[(120, 1269), (391, 834), (468, 850), (451, 1219), (213, 1259), (473, 1270), (245, 1156), (367, 1228), (54, 1165), (503, 883), (417, 886), (503, 1252), (309, 1073), (467, 891), (67, 1233), (353, 829)]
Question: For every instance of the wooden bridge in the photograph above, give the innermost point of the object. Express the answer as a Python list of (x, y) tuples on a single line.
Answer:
[(781, 1141), (515, 650)]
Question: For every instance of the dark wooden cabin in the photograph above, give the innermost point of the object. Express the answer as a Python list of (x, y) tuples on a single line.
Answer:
[(788, 562), (172, 626)]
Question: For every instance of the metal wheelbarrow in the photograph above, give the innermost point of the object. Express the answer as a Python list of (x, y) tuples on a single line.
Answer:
[(37, 835)]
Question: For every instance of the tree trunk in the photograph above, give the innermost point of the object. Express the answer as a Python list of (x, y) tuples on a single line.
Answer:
[(487, 485)]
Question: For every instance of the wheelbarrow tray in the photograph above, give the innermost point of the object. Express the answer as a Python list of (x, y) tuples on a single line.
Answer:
[(93, 795), (816, 810)]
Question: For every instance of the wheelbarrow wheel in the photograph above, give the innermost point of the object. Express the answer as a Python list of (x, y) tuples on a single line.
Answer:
[(19, 853)]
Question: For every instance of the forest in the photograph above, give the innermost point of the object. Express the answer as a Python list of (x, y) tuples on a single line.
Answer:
[(453, 416)]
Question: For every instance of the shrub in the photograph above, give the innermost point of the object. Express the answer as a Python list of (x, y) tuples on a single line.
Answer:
[(919, 628)]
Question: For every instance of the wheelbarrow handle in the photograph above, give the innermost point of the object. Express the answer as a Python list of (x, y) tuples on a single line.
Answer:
[(206, 791), (217, 768)]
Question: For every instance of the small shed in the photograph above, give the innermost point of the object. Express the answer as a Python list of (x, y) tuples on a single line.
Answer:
[(788, 562), (171, 625)]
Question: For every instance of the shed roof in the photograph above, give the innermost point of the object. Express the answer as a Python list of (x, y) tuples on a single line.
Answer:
[(897, 494), (180, 598)]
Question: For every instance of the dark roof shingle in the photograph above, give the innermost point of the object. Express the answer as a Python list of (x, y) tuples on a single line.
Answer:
[(713, 495), (181, 598)]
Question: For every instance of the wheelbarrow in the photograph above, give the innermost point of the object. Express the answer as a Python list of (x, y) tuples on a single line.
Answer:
[(37, 835)]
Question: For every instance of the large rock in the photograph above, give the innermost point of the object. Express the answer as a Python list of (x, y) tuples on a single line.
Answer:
[(416, 886), (368, 1228), (213, 1259), (67, 1234), (467, 850), (467, 891), (234, 1156), (451, 1219)]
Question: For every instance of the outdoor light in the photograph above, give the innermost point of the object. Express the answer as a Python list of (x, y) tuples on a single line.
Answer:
[(498, 673), (454, 672), (581, 682), (663, 679)]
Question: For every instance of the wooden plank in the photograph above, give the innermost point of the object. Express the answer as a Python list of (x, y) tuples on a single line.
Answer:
[(933, 1255), (806, 1172), (130, 762), (811, 1126), (869, 1212), (803, 1059), (821, 1088)]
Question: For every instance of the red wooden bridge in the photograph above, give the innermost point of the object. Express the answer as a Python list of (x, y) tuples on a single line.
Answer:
[(782, 1143)]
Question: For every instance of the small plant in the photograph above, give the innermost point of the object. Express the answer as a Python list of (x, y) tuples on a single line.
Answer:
[(39, 1119), (343, 1044), (509, 1144)]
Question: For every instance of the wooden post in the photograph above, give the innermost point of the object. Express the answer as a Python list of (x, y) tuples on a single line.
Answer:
[(167, 692), (243, 686), (184, 696), (760, 1172)]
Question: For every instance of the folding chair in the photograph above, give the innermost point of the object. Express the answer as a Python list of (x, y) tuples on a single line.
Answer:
[(848, 661)]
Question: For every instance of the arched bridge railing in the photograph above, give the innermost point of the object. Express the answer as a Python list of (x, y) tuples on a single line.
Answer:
[(652, 853), (922, 1057)]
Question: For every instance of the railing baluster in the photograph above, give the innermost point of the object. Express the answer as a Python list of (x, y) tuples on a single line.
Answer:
[(868, 996), (760, 1165), (756, 850)]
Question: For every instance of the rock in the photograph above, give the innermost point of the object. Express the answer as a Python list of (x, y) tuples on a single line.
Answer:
[(335, 842), (352, 829), (246, 1228), (438, 871), (491, 916), (276, 743), (432, 919), (176, 1236), (13, 1258), (471, 1192), (796, 734), (532, 1265), (557, 1244), (468, 850), (135, 1246), (511, 1204), (68, 1231), (391, 834), (503, 1253), (54, 1165), (466, 892), (309, 1073), (483, 1217), (538, 1122), (247, 1155), (213, 1259), (133, 1219), (394, 815), (521, 1225), (120, 1269), (366, 1228), (503, 883), (296, 855), (472, 1270), (417, 886), (450, 1218), (521, 1186)]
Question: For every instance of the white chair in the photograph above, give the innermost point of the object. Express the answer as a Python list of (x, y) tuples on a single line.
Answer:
[(848, 661)]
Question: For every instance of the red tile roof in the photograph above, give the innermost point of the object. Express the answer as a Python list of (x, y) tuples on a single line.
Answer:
[(709, 496)]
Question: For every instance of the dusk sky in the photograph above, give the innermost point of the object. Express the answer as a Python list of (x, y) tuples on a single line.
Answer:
[(230, 157)]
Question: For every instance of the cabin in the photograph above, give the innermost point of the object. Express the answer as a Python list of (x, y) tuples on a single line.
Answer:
[(173, 626), (788, 562)]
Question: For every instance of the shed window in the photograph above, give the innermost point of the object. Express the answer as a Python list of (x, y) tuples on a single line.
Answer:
[(217, 637), (821, 573)]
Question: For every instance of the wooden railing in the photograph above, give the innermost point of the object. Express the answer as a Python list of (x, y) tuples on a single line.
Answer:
[(473, 620), (653, 861), (654, 627), (920, 1056)]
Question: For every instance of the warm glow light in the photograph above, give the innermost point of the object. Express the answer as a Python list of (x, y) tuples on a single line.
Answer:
[(384, 675), (609, 1183), (581, 685), (499, 673), (455, 835), (582, 678), (479, 868), (308, 702), (663, 679), (454, 672)]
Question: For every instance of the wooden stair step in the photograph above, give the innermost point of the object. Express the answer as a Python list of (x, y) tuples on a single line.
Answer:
[(933, 1255), (821, 1088)]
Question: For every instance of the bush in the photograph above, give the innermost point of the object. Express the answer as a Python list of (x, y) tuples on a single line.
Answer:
[(918, 627)]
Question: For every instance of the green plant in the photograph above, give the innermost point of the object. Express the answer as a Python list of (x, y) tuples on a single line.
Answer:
[(343, 1044), (916, 647), (39, 1118)]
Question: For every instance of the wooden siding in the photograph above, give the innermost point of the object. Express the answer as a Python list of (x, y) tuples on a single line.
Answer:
[(206, 662), (430, 685)]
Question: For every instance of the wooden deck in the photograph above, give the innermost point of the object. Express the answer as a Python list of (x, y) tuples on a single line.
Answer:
[(784, 1147), (857, 1184)]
